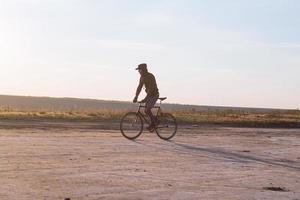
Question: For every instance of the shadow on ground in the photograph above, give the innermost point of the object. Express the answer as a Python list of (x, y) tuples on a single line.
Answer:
[(237, 157)]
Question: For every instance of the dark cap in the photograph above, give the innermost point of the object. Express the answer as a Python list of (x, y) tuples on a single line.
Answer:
[(142, 66)]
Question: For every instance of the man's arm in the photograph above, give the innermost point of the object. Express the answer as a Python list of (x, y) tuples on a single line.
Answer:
[(138, 90), (145, 99)]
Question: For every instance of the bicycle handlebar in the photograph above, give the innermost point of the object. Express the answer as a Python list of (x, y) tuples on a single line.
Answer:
[(161, 99)]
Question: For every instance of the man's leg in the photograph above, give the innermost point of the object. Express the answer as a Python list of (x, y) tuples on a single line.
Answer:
[(150, 114), (149, 105)]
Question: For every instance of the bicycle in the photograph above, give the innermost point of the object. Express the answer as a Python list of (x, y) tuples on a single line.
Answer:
[(132, 123)]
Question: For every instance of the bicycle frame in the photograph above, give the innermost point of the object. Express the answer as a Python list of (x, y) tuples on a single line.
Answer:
[(144, 115)]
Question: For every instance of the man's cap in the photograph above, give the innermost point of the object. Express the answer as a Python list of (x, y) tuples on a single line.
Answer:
[(142, 66)]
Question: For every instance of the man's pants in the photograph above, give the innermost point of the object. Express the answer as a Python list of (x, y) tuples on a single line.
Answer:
[(150, 103)]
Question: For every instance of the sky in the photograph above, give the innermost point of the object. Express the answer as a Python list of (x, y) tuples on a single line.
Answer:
[(222, 53)]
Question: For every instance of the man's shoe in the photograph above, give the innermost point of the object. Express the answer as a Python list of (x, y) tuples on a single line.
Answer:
[(151, 128)]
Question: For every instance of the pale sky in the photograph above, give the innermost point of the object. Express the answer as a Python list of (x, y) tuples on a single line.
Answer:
[(204, 52)]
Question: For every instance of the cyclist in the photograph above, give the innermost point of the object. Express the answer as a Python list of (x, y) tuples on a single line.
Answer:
[(148, 80)]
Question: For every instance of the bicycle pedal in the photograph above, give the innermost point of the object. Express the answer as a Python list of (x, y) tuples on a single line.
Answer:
[(151, 130)]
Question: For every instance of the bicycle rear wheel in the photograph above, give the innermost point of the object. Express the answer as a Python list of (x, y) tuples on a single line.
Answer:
[(131, 125), (167, 126)]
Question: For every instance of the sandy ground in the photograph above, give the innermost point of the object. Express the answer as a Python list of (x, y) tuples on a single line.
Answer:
[(202, 163)]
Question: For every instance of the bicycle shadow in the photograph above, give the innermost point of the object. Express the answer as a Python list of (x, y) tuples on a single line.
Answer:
[(236, 157)]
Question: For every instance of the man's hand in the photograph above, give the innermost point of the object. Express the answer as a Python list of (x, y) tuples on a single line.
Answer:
[(135, 99)]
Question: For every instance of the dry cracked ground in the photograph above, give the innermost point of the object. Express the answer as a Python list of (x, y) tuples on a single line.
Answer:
[(199, 163)]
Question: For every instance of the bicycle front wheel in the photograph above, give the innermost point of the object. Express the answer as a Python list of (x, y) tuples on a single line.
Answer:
[(167, 126), (131, 125)]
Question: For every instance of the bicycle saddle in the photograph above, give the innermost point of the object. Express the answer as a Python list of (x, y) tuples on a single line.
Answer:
[(162, 98)]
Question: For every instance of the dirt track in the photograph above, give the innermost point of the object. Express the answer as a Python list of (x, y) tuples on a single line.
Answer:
[(203, 163)]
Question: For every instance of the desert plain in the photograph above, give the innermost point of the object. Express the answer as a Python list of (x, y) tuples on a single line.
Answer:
[(84, 161)]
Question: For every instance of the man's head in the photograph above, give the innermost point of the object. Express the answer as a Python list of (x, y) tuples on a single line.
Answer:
[(142, 68)]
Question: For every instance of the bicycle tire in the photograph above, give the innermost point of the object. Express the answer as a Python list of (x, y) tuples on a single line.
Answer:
[(167, 126), (131, 125)]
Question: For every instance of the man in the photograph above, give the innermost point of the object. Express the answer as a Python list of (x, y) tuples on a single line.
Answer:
[(148, 80)]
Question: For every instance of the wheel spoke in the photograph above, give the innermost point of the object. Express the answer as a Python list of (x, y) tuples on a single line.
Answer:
[(131, 125), (167, 126)]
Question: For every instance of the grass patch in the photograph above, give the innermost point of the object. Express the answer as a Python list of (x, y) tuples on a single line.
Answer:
[(226, 117), (240, 118), (58, 115)]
